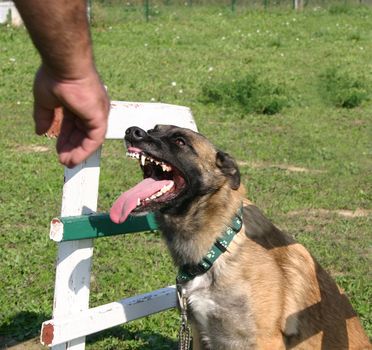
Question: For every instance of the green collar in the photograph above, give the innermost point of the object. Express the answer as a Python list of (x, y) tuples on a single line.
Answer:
[(188, 272)]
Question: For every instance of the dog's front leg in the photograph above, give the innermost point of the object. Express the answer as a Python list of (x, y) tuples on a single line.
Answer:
[(197, 343)]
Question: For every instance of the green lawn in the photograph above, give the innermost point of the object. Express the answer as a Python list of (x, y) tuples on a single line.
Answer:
[(302, 165)]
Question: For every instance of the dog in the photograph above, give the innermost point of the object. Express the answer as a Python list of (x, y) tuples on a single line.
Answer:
[(247, 285)]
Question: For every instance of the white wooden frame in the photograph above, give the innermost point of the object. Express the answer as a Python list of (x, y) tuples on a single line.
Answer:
[(72, 318)]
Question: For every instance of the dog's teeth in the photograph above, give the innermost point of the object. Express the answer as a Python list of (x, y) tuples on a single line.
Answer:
[(165, 167), (143, 159), (133, 155), (138, 202), (159, 193), (167, 187)]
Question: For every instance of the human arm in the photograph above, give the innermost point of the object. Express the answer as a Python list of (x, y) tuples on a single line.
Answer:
[(67, 77)]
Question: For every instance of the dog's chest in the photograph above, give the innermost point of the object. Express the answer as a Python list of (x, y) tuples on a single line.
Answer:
[(219, 315), (202, 305), (201, 300)]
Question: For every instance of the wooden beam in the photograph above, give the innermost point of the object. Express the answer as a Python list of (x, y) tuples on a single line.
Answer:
[(64, 329), (146, 115), (97, 225)]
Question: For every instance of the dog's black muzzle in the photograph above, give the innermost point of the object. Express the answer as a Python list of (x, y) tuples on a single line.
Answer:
[(135, 134)]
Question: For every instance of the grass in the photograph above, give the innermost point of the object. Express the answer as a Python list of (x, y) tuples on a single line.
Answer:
[(173, 58)]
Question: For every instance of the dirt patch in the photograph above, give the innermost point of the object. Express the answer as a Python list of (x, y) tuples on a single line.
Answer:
[(32, 344), (358, 213), (287, 167), (33, 149), (358, 122)]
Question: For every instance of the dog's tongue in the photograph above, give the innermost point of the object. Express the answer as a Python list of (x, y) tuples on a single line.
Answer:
[(127, 202)]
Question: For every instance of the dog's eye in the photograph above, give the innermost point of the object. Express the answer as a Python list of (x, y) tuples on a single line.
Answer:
[(179, 141)]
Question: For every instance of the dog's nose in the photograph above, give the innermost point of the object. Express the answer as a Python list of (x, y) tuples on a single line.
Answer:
[(135, 133)]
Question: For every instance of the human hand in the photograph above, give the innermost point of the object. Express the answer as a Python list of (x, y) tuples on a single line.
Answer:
[(85, 107)]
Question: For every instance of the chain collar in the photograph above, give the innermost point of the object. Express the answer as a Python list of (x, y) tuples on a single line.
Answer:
[(188, 272)]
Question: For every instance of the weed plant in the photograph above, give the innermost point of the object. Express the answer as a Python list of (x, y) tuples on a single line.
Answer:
[(342, 89), (251, 94)]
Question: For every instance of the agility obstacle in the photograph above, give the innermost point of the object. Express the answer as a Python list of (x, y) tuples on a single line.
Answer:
[(79, 224)]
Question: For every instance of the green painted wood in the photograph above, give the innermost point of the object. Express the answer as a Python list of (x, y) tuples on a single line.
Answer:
[(100, 225)]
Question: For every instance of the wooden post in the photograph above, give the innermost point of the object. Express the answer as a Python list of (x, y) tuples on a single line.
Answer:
[(298, 5), (89, 10), (71, 295), (233, 5), (147, 9)]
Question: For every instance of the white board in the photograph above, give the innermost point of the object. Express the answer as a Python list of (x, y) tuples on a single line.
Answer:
[(146, 115)]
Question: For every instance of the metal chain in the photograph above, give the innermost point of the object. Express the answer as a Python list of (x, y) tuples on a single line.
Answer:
[(184, 334)]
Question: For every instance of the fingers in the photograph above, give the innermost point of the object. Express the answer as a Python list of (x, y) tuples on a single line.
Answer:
[(72, 156), (75, 142), (43, 119), (44, 103)]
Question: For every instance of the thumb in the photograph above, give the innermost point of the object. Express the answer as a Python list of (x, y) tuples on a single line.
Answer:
[(43, 119)]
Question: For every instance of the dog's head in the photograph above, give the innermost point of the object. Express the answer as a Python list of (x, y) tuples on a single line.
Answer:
[(178, 165)]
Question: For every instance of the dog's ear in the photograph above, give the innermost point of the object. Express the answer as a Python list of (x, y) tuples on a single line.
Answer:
[(229, 168)]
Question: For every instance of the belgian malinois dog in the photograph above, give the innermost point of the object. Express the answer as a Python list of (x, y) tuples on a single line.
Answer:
[(246, 284)]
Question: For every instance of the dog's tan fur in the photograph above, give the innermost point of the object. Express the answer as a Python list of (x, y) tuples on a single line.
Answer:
[(266, 291)]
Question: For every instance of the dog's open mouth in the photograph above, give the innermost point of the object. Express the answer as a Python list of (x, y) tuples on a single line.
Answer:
[(162, 182)]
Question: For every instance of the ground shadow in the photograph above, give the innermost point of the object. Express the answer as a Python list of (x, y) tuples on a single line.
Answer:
[(151, 340), (24, 325)]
